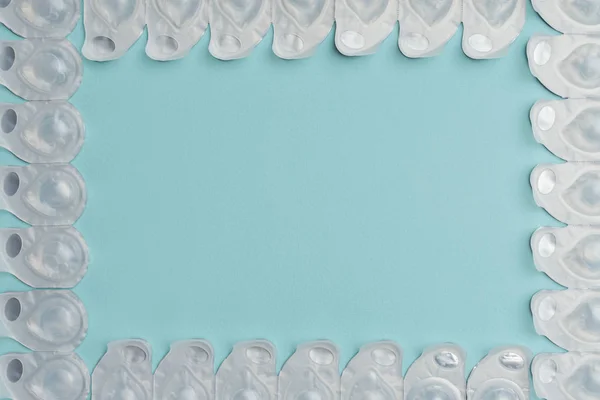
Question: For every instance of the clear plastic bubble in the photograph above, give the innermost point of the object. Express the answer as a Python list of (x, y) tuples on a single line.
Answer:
[(41, 18)]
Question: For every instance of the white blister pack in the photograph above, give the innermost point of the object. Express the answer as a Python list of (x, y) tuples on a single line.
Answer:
[(174, 27), (186, 372), (112, 27), (44, 320), (567, 65), (427, 25), (569, 255), (566, 376), (491, 26), (124, 372), (300, 26), (44, 257), (570, 192), (237, 27), (43, 376), (502, 374), (570, 16), (37, 69), (42, 132), (361, 26), (40, 18), (569, 318), (248, 372), (374, 373), (438, 374), (311, 372), (570, 129)]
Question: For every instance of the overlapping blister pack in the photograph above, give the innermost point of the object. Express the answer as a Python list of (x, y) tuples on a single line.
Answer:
[(40, 18)]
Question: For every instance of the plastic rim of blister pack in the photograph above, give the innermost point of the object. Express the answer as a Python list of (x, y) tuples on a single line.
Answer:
[(300, 27), (40, 18), (570, 16), (426, 26), (566, 376)]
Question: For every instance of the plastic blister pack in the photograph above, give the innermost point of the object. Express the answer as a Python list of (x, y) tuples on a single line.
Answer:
[(566, 376), (438, 374), (174, 27), (374, 373), (491, 26), (44, 320), (43, 376), (570, 16), (186, 372), (311, 372), (567, 65), (237, 27), (502, 374), (111, 27), (124, 372), (361, 26), (569, 318), (426, 26), (40, 18), (37, 69), (300, 26), (570, 192), (569, 255), (248, 372)]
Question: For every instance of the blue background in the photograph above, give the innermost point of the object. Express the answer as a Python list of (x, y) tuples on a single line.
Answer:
[(349, 199)]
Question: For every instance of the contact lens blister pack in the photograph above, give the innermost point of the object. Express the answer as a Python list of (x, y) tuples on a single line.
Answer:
[(427, 25), (570, 255), (569, 318), (43, 194), (502, 374), (43, 376), (361, 26), (375, 372), (248, 372), (566, 376), (567, 65), (174, 27), (570, 16), (491, 26), (570, 192), (44, 320), (40, 69), (186, 372), (300, 26), (111, 27), (312, 372), (570, 129), (42, 132), (439, 373), (236, 27), (40, 18), (124, 372)]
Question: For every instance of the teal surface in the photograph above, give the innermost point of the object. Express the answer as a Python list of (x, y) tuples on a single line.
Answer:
[(349, 199)]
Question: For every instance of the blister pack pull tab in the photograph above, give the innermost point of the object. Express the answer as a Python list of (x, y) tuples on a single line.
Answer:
[(427, 25), (374, 373), (43, 194), (311, 372), (237, 27), (570, 255), (174, 27), (491, 26), (566, 376), (111, 27), (439, 373), (502, 374), (43, 376), (186, 372), (248, 372), (40, 18), (361, 26), (300, 26), (42, 132), (37, 69), (568, 318), (570, 16), (44, 320), (124, 372)]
